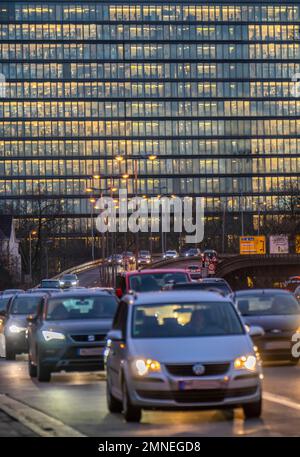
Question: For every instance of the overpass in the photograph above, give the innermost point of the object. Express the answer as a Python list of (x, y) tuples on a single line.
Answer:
[(239, 270)]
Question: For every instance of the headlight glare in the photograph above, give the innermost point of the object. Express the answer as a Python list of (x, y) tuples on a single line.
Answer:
[(49, 335), (248, 362), (16, 329), (144, 366)]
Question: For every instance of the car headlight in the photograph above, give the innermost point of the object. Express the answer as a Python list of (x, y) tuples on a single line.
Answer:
[(248, 362), (49, 335), (74, 283), (16, 329), (145, 366)]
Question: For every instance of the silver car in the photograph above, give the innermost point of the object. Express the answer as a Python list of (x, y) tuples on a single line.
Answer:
[(181, 350)]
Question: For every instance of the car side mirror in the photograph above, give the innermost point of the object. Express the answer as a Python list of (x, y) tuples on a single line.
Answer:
[(256, 331), (31, 318), (119, 292), (115, 335)]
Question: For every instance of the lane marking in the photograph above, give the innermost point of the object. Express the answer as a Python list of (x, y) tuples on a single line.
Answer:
[(284, 401), (37, 421)]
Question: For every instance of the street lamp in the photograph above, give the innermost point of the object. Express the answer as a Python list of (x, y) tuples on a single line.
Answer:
[(31, 234)]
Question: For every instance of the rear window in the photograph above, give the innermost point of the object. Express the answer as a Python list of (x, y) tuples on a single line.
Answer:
[(267, 304), (3, 303), (155, 281)]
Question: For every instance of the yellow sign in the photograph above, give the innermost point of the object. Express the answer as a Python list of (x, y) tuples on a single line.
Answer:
[(252, 245), (297, 244)]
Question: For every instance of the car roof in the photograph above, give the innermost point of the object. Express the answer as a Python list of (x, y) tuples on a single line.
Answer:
[(175, 297), (163, 270), (82, 292), (262, 291), (208, 280), (29, 295)]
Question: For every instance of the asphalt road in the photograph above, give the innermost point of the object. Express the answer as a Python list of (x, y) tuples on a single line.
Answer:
[(78, 400)]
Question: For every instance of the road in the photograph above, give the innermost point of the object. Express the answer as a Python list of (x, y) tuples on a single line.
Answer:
[(78, 400)]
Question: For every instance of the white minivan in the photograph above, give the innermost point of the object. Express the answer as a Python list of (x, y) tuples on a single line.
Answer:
[(181, 350)]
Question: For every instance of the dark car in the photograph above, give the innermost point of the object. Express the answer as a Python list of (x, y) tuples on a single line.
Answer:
[(218, 285), (278, 312), (50, 284), (68, 333), (16, 324), (148, 280)]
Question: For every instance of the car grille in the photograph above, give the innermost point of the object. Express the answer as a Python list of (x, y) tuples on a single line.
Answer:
[(85, 338), (211, 369), (72, 353), (197, 396)]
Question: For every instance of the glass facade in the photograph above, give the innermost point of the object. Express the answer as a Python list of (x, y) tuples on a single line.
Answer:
[(206, 87)]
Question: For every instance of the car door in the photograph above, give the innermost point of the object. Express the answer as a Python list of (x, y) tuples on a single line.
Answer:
[(117, 350), (33, 328)]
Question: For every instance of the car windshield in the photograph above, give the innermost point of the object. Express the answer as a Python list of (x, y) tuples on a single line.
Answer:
[(144, 253), (267, 304), (83, 307), (70, 277), (155, 281), (3, 303), (185, 320), (50, 283), (25, 305)]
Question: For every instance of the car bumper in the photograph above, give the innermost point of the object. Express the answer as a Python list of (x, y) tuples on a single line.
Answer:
[(68, 358), (18, 342), (275, 348), (166, 392)]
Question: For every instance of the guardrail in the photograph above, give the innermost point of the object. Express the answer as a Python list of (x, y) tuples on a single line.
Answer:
[(80, 268)]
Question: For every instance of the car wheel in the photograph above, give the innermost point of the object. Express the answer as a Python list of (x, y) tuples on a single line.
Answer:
[(10, 353), (131, 413), (32, 369), (253, 410), (113, 405), (43, 373)]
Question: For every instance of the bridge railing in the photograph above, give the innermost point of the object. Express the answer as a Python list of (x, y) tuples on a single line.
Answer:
[(80, 268)]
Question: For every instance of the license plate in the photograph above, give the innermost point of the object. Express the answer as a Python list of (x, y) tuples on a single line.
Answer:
[(90, 351), (278, 345), (198, 385)]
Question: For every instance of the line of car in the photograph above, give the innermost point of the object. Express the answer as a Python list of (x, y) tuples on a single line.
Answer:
[(166, 342)]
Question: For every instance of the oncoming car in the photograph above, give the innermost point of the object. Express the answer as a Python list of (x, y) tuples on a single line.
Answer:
[(179, 350), (68, 333)]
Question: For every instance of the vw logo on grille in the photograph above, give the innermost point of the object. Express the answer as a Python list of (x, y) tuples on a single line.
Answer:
[(199, 369), (91, 338)]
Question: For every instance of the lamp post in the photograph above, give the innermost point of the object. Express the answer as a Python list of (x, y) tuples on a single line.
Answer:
[(31, 233)]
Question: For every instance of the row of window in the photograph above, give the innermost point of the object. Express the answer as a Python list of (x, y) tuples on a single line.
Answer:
[(181, 186), (172, 147), (82, 207), (141, 109), (157, 128), (164, 51), (65, 167), (66, 32), (25, 90), (174, 11), (154, 70)]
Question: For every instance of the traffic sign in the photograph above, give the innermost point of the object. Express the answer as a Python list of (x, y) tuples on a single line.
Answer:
[(252, 245)]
